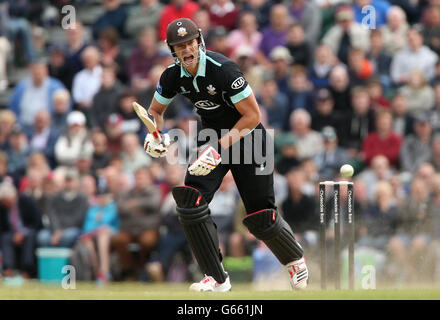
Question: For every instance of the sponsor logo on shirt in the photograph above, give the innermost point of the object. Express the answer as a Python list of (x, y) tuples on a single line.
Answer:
[(211, 90), (206, 104), (238, 83)]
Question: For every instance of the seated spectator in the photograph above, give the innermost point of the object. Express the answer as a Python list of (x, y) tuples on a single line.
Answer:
[(418, 93), (33, 94), (309, 142), (379, 170), (113, 130), (130, 121), (223, 13), (298, 46), (346, 33), (380, 7), (115, 16), (84, 163), (394, 32), (18, 153), (403, 121), (143, 15), (74, 140), (142, 59), (20, 220), (340, 88), (319, 71), (286, 155), (416, 57), (333, 157), (87, 82), (202, 19), (434, 114), (219, 42), (308, 15), (174, 10), (5, 48), (66, 211), (246, 34), (431, 27), (58, 66), (7, 123), (323, 114), (359, 67), (299, 209), (435, 152), (383, 141), (273, 35), (274, 104), (76, 43), (378, 99), (111, 53), (100, 224), (300, 90), (88, 184), (281, 61), (133, 154), (378, 223), (61, 107), (358, 122), (139, 214), (3, 165), (105, 101), (380, 59), (243, 57), (416, 147)]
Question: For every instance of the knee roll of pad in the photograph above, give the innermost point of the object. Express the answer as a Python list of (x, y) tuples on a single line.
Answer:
[(269, 227), (200, 231)]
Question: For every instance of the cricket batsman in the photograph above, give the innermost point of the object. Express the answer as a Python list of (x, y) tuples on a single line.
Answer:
[(224, 100)]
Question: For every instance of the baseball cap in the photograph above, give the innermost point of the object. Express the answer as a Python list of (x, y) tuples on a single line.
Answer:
[(323, 94), (76, 118), (281, 52), (329, 133)]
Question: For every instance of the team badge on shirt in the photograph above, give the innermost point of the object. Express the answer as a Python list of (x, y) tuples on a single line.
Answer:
[(211, 90), (181, 32)]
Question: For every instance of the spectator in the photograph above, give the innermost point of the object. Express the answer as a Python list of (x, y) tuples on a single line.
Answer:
[(101, 156), (394, 32), (286, 156), (323, 114), (111, 53), (142, 59), (346, 33), (34, 93), (246, 34), (76, 43), (223, 13), (309, 142), (105, 101), (431, 28), (340, 89), (281, 61), (330, 160), (416, 57), (300, 90), (61, 107), (416, 147), (3, 165), (403, 121), (74, 140), (322, 64), (89, 186), (378, 99), (357, 123), (380, 7), (84, 163), (174, 10), (261, 9), (7, 123), (219, 41), (58, 66), (113, 130), (253, 73), (299, 209), (418, 93), (202, 19), (434, 114), (308, 15), (435, 152), (379, 170), (359, 67), (139, 214), (299, 48), (274, 35), (130, 121), (43, 136), (383, 140), (100, 224), (115, 16), (66, 211), (18, 153), (20, 220), (5, 48), (379, 58), (133, 154), (144, 15)]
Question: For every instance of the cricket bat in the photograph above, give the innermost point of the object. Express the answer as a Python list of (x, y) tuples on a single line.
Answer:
[(150, 124)]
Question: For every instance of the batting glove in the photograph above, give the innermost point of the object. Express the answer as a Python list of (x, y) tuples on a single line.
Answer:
[(207, 161), (155, 148)]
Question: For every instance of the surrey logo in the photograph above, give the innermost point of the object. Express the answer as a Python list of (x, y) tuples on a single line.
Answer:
[(181, 32), (211, 90)]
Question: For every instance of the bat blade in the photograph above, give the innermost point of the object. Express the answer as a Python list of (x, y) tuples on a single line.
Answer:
[(150, 124)]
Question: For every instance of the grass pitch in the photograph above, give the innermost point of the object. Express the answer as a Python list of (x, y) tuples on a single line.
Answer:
[(34, 290)]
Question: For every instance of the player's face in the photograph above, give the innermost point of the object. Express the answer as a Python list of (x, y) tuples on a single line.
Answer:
[(188, 53)]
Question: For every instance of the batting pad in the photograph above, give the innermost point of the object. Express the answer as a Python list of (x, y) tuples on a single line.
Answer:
[(269, 227), (200, 231)]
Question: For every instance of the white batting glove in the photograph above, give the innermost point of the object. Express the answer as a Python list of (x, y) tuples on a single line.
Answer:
[(207, 161), (154, 148)]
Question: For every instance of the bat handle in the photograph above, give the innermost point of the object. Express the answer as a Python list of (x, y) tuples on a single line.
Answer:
[(156, 135)]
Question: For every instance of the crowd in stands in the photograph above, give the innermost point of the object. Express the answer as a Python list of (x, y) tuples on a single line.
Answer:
[(334, 86)]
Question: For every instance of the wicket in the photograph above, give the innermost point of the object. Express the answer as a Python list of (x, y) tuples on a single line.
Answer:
[(337, 229)]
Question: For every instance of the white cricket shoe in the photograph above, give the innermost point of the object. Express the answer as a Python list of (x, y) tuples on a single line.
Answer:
[(208, 283), (299, 274)]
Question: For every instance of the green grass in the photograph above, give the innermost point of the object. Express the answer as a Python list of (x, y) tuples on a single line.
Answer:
[(146, 291)]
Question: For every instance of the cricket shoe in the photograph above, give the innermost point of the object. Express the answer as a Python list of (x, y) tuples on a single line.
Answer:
[(208, 283), (299, 273)]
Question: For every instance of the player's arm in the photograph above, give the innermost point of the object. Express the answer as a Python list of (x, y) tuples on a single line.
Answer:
[(250, 118), (157, 110)]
